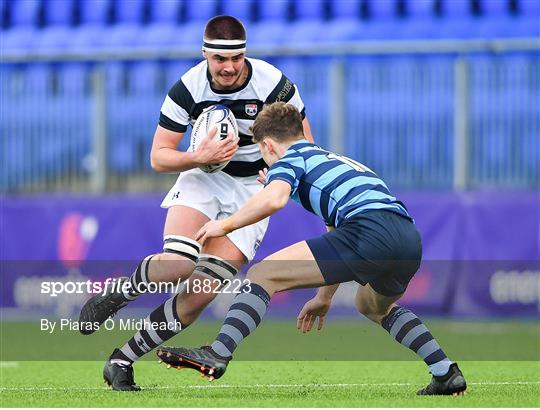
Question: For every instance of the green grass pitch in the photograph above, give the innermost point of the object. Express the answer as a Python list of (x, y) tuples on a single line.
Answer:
[(268, 384), (277, 367)]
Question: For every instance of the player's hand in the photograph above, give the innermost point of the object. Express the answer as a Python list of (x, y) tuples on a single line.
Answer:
[(262, 176), (211, 229), (313, 309), (211, 151)]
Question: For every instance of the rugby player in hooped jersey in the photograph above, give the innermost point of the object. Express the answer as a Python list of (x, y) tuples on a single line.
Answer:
[(371, 239), (226, 77)]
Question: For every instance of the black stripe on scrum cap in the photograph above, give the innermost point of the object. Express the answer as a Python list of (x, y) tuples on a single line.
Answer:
[(224, 47)]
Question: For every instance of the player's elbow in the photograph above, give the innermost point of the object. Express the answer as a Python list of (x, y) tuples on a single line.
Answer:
[(277, 203), (154, 161)]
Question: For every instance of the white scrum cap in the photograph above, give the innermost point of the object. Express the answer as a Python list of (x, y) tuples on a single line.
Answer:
[(224, 46)]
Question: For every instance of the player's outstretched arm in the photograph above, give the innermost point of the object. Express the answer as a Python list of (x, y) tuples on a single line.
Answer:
[(165, 156), (316, 308), (261, 205)]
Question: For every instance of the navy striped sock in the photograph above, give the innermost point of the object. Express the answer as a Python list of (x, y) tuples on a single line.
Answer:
[(162, 324), (139, 280), (404, 326), (244, 316)]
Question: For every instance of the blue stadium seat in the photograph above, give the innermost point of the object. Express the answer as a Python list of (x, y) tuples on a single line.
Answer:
[(342, 30), (38, 79), (88, 37), (143, 77), (165, 11), (115, 74), (529, 8), (493, 149), (176, 69), (507, 26), (121, 36), (19, 38), (3, 12), (58, 12), (309, 23), (190, 35), (456, 28), (55, 38), (94, 12), (421, 22), (159, 35), (273, 10), (196, 10), (309, 10), (494, 8), (268, 33), (290, 66), (122, 155), (345, 10), (529, 155), (382, 9), (420, 9), (129, 11), (344, 23), (455, 9), (241, 9), (74, 79), (25, 13), (272, 26)]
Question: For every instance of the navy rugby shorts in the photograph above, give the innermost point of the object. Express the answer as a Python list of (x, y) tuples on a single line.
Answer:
[(378, 247)]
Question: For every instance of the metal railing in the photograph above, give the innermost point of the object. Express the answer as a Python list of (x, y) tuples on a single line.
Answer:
[(424, 115)]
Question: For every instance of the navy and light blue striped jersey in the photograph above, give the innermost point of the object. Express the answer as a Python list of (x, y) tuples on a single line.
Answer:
[(330, 185)]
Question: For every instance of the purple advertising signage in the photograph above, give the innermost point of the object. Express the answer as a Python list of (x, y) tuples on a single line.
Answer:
[(477, 246)]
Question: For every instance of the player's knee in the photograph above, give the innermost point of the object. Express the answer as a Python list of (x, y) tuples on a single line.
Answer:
[(267, 278), (372, 311), (179, 257), (216, 270), (257, 272)]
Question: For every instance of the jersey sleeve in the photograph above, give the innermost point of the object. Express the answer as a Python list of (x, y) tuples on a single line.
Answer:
[(174, 114), (287, 92), (290, 169)]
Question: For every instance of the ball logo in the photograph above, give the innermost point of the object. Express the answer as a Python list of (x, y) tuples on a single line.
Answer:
[(223, 130)]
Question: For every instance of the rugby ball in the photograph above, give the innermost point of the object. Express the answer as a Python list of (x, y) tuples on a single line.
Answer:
[(217, 116)]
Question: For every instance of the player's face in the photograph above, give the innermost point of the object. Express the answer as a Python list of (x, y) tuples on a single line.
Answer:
[(227, 70)]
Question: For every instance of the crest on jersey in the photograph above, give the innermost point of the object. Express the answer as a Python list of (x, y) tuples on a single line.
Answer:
[(251, 109)]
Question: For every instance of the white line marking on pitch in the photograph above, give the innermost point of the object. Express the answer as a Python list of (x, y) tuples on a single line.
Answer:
[(5, 365), (250, 386)]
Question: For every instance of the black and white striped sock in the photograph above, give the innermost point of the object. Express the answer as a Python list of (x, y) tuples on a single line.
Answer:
[(162, 324), (244, 316), (139, 280), (404, 326)]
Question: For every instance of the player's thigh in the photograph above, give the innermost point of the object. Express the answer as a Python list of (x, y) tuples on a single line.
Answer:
[(290, 268), (184, 221), (372, 304)]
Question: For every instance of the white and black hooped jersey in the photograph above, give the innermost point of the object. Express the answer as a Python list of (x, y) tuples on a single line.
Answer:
[(191, 94)]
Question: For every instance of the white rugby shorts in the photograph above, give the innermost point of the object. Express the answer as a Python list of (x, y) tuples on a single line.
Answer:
[(218, 196)]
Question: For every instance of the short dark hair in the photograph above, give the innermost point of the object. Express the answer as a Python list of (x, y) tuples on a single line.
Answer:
[(224, 28), (279, 121)]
